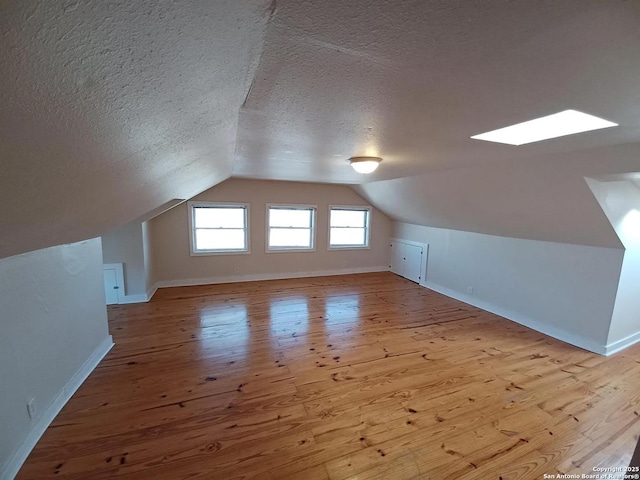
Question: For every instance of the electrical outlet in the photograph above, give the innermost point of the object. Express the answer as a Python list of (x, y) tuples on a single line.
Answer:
[(470, 290), (31, 408)]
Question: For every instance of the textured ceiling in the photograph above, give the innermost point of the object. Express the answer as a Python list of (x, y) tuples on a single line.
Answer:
[(411, 81), (112, 109)]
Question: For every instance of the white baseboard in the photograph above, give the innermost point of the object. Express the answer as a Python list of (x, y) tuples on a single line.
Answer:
[(253, 277), (140, 298), (554, 332), (621, 344), (14, 464), (152, 291)]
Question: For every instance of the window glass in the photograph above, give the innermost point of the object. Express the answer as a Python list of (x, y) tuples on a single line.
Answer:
[(218, 228), (290, 228), (349, 227)]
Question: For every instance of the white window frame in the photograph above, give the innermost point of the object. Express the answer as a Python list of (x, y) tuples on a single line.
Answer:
[(314, 213), (192, 238), (367, 234)]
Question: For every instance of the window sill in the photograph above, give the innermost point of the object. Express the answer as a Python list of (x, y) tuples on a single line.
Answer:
[(220, 252), (290, 250)]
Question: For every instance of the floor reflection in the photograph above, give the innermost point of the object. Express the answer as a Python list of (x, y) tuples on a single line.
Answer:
[(289, 316), (342, 312), (225, 328)]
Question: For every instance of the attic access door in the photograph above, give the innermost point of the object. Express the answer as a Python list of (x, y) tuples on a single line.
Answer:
[(408, 260), (113, 274), (110, 286)]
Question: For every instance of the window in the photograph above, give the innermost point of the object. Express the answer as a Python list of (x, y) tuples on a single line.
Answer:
[(290, 227), (349, 227), (218, 228)]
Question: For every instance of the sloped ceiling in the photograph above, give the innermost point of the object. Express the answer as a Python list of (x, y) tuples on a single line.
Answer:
[(547, 199), (112, 109), (412, 81)]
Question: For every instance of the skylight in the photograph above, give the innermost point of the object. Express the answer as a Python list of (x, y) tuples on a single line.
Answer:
[(543, 128)]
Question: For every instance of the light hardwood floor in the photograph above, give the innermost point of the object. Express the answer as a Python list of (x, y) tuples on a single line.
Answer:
[(360, 376)]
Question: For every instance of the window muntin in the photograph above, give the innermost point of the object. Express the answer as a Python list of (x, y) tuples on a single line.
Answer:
[(349, 227), (290, 227), (219, 228)]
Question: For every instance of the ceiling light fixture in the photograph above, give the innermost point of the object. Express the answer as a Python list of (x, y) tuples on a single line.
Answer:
[(365, 164), (559, 124)]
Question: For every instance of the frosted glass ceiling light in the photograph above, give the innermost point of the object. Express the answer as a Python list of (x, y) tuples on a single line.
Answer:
[(551, 126), (365, 164)]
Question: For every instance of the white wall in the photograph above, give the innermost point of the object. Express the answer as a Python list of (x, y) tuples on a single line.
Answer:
[(620, 201), (53, 331), (625, 323), (149, 266), (126, 245), (566, 291), (173, 264)]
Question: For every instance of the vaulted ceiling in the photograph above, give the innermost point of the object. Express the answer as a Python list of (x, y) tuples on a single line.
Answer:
[(111, 109)]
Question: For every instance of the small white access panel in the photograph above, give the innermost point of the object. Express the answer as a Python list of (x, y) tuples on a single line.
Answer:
[(397, 258), (408, 260), (110, 286), (113, 274), (413, 262)]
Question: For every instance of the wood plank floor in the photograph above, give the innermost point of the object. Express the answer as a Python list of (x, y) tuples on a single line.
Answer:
[(352, 377)]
